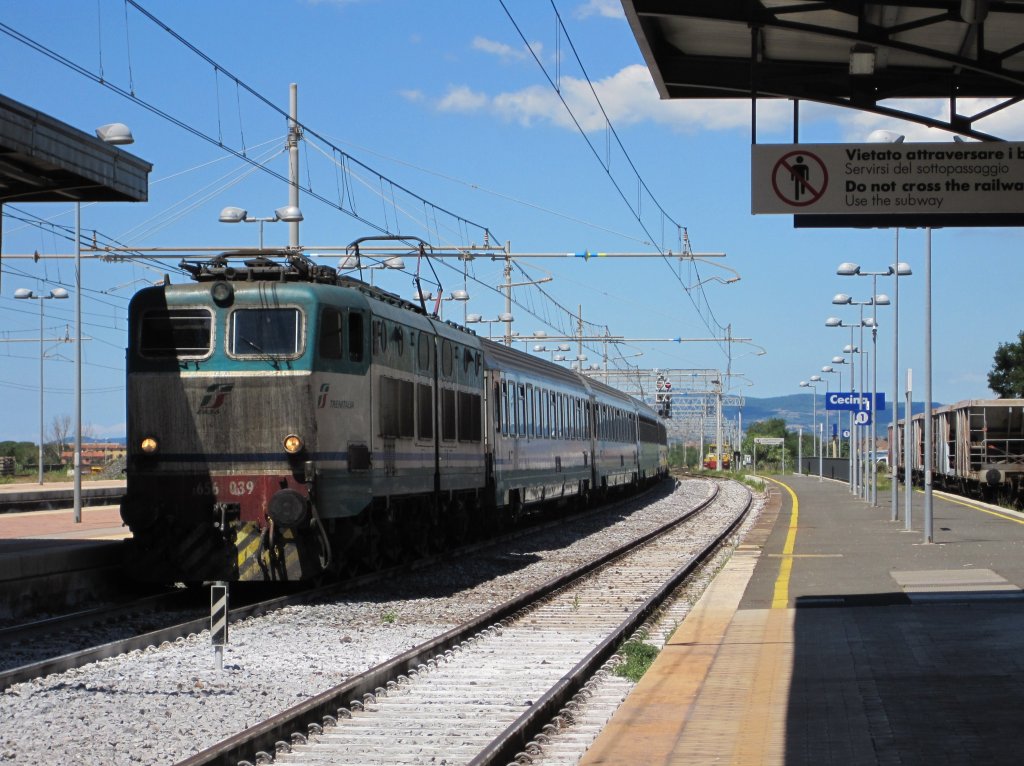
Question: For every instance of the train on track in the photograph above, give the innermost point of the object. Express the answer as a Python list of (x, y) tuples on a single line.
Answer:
[(977, 449), (287, 423)]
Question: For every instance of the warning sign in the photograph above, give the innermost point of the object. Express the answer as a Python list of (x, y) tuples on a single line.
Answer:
[(799, 178), (887, 179)]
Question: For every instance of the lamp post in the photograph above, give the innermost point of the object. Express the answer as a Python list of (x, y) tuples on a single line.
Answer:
[(288, 214), (819, 379), (439, 299), (850, 349), (874, 301), (856, 428), (504, 317), (354, 263), (896, 271), (828, 369), (23, 293), (814, 409), (115, 134), (557, 353)]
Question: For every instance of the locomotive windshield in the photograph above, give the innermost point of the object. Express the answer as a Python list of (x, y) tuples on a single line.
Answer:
[(175, 333), (265, 332)]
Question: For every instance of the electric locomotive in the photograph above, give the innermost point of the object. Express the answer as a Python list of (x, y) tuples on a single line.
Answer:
[(285, 422)]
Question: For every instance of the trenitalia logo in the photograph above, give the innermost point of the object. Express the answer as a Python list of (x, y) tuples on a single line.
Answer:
[(215, 397), (851, 400)]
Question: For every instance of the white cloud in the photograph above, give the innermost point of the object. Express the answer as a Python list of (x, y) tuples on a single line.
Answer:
[(629, 97), (414, 96), (502, 50), (462, 99), (505, 51), (609, 9)]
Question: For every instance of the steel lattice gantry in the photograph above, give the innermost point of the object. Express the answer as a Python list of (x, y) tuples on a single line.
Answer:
[(695, 396), (839, 52)]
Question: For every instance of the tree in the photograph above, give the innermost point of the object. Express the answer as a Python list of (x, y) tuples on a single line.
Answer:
[(772, 427), (1007, 375), (60, 435)]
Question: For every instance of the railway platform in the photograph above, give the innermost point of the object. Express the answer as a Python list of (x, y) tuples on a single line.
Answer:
[(47, 560), (834, 636), (56, 495)]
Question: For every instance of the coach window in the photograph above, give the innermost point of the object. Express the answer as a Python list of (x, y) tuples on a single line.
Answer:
[(331, 330), (498, 419), (529, 411), (503, 404), (541, 413), (521, 414)]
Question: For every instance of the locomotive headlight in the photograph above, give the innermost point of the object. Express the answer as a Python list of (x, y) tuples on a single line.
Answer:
[(292, 444), (148, 445)]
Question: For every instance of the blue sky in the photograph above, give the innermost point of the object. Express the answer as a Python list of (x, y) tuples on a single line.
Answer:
[(444, 99)]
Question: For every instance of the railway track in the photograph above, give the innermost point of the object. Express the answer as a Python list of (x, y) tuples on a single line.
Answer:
[(61, 631), (485, 692), (64, 642)]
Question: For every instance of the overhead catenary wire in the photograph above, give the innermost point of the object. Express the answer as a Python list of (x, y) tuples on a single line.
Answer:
[(556, 85), (430, 221), (198, 133)]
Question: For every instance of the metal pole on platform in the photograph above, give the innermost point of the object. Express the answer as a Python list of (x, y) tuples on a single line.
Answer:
[(821, 449), (894, 441), (908, 483), (799, 450), (928, 535), (78, 366)]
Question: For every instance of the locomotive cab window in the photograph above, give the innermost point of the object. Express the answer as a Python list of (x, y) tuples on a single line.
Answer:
[(181, 333), (265, 332)]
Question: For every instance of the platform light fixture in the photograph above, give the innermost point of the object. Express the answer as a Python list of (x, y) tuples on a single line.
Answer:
[(287, 213), (23, 293)]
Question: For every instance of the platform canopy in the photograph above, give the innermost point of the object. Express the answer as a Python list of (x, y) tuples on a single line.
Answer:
[(853, 54), (45, 160)]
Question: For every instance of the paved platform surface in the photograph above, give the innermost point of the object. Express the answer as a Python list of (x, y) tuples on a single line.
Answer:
[(102, 522), (834, 636)]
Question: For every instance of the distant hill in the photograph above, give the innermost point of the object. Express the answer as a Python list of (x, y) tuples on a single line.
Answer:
[(796, 410)]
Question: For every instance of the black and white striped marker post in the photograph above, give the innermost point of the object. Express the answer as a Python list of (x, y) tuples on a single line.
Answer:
[(219, 620)]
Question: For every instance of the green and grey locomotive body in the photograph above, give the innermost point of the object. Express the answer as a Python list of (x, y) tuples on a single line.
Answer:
[(285, 423)]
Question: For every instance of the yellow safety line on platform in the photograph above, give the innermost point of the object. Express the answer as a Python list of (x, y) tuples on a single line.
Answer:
[(780, 597), (968, 504)]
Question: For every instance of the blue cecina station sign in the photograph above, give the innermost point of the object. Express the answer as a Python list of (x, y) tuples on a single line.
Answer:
[(851, 400)]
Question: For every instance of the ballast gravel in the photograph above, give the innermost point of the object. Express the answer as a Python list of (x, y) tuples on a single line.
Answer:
[(164, 704)]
